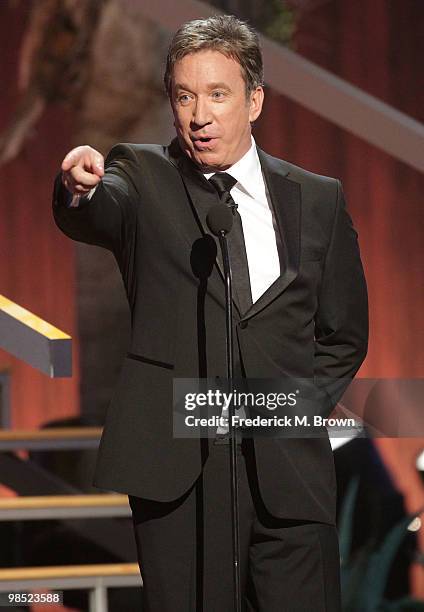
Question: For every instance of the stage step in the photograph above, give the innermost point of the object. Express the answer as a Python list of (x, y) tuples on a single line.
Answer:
[(24, 574), (95, 578), (51, 438), (63, 506)]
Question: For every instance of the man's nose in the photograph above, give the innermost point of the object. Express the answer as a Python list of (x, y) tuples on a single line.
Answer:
[(201, 113)]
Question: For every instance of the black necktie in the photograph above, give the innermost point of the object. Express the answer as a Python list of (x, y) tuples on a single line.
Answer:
[(223, 183)]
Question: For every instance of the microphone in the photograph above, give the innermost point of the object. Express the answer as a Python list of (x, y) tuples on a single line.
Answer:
[(219, 219)]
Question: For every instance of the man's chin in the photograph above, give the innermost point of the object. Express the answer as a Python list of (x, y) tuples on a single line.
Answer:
[(209, 161)]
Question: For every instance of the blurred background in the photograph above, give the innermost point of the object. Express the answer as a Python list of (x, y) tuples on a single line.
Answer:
[(90, 72)]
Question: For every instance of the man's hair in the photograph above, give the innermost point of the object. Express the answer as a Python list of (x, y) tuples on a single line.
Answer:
[(224, 33)]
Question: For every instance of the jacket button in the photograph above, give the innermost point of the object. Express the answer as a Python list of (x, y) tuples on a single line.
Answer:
[(243, 324)]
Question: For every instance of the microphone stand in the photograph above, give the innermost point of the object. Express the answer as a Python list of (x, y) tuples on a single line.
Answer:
[(233, 447)]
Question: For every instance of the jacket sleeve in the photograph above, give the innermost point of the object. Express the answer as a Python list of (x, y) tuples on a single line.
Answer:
[(341, 322), (108, 218)]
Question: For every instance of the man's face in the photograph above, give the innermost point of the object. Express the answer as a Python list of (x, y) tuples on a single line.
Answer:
[(212, 114)]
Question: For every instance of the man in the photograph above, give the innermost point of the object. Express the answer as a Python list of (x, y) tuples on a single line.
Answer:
[(301, 312)]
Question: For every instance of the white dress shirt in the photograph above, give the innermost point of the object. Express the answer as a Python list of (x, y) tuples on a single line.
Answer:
[(250, 195)]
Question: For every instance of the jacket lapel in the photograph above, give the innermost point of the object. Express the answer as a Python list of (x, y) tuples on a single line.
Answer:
[(285, 199)]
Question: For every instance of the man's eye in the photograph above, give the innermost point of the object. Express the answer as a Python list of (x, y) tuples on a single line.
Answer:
[(183, 98), (218, 94)]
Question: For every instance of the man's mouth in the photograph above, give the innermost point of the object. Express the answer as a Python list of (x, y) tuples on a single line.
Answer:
[(204, 142)]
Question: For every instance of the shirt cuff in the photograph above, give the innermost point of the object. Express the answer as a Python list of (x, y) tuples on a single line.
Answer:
[(75, 202)]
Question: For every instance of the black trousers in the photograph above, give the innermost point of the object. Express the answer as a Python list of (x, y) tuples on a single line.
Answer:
[(185, 549)]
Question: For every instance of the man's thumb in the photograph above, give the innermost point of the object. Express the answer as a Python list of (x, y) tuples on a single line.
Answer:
[(98, 166)]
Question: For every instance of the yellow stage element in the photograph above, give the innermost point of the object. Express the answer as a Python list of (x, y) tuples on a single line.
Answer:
[(31, 320), (33, 340)]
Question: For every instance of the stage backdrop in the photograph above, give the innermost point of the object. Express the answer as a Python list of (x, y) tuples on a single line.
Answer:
[(37, 264), (375, 46)]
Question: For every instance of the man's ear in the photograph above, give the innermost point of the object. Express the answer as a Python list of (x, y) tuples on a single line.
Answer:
[(256, 102)]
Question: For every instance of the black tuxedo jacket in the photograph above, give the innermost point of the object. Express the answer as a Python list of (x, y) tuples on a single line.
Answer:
[(150, 211)]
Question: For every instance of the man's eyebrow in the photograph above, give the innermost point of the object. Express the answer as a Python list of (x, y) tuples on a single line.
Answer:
[(211, 86), (219, 86), (182, 86)]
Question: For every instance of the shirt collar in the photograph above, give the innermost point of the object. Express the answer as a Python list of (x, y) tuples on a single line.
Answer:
[(248, 173)]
